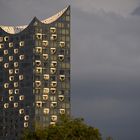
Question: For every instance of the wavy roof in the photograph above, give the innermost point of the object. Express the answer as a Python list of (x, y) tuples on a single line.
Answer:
[(17, 29)]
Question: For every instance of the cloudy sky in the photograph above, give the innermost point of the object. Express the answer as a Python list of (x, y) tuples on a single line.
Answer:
[(105, 58)]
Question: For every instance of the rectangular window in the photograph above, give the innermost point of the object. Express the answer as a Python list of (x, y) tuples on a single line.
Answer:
[(5, 52), (1, 46), (21, 43), (6, 38), (11, 58), (53, 37), (52, 29), (38, 50), (38, 36), (10, 44), (45, 43)]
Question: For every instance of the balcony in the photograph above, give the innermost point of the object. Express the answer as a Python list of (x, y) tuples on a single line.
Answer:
[(53, 30), (46, 111)]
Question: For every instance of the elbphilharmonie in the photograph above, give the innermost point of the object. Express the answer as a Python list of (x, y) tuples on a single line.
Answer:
[(34, 74)]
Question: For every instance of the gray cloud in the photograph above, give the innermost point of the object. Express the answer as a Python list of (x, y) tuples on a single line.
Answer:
[(106, 64), (136, 11), (105, 59), (122, 7)]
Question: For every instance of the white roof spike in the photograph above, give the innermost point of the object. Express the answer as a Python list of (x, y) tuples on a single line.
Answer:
[(54, 17)]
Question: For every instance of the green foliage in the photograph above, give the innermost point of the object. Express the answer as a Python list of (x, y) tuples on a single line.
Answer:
[(66, 129)]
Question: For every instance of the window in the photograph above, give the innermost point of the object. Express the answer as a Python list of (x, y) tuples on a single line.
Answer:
[(11, 98), (15, 51), (61, 25), (6, 105), (37, 91), (37, 83), (46, 110), (11, 78), (38, 63), (38, 50), (26, 117), (62, 77), (5, 52), (61, 57), (53, 50), (6, 85), (6, 38), (21, 77), (61, 97), (53, 84), (45, 97), (53, 90), (45, 90), (53, 98), (45, 56), (21, 97), (39, 104), (53, 104), (52, 123), (46, 76), (67, 31), (52, 70), (53, 37), (25, 124), (10, 91), (38, 70), (15, 64), (35, 23), (10, 44), (21, 57), (62, 111), (16, 71), (15, 84), (62, 44), (1, 45), (52, 29), (15, 105), (53, 77), (10, 58), (38, 35), (61, 72), (10, 71), (67, 18), (53, 63), (21, 111), (67, 38), (6, 65), (16, 91), (45, 43), (21, 43), (54, 118)]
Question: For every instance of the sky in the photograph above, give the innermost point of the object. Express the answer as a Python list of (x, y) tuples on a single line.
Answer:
[(105, 58)]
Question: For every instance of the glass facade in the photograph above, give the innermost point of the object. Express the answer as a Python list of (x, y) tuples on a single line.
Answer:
[(34, 76)]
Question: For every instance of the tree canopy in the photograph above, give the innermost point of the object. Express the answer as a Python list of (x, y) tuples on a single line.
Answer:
[(66, 129)]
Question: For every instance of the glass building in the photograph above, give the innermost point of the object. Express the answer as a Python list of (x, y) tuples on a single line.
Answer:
[(34, 74)]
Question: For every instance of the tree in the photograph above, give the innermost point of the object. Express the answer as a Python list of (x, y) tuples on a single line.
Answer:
[(66, 129)]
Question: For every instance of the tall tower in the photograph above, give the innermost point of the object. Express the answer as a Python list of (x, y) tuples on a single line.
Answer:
[(34, 74)]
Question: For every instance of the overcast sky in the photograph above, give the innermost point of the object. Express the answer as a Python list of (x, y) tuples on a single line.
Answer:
[(105, 58)]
